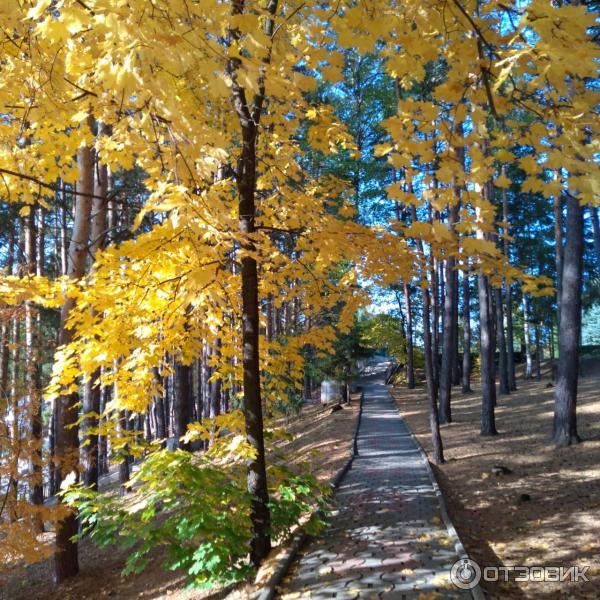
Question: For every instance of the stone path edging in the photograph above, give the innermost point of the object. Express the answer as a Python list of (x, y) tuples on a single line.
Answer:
[(391, 536), (477, 591), (283, 561)]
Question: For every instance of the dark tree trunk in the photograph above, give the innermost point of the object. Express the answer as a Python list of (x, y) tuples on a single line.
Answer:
[(52, 469), (510, 341), (206, 373), (448, 347), (436, 438), (40, 241), (596, 230), (64, 242), (99, 223), (66, 562), (493, 334), (4, 353), (486, 345), (182, 404), (510, 338), (466, 357), (559, 250), (449, 341), (124, 462), (40, 272), (225, 400), (527, 338), (565, 407), (103, 439), (269, 318), (456, 353), (32, 378), (432, 389), (159, 413), (435, 325), (216, 385), (198, 391), (5, 335), (167, 404), (501, 342), (249, 117), (410, 353), (257, 475), (91, 401)]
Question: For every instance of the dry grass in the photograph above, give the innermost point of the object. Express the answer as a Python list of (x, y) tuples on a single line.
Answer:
[(320, 437), (560, 524)]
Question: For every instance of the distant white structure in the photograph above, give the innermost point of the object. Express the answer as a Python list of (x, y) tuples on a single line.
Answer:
[(331, 391)]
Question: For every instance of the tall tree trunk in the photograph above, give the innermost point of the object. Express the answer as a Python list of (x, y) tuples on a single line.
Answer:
[(410, 351), (269, 318), (492, 305), (124, 457), (64, 238), (486, 350), (249, 119), (32, 378), (510, 340), (182, 403), (466, 358), (199, 395), (449, 341), (206, 373), (15, 434), (435, 325), (159, 412), (527, 338), (510, 337), (64, 267), (167, 405), (501, 343), (216, 384), (596, 230), (257, 475), (436, 438), (52, 469), (40, 261), (565, 407), (40, 242), (432, 388), (6, 321), (92, 392), (16, 390), (559, 250), (5, 388), (103, 461), (66, 562), (486, 324), (456, 354)]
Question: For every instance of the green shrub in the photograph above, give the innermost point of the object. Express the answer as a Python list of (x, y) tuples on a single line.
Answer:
[(197, 507)]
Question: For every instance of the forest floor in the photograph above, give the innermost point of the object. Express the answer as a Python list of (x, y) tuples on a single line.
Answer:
[(546, 510), (321, 437)]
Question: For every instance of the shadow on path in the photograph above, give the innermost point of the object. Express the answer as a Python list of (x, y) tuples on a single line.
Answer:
[(387, 538)]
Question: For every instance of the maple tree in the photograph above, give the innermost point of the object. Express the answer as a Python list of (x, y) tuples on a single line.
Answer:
[(241, 252)]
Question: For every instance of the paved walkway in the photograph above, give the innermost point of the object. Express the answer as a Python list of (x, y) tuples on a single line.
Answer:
[(387, 538)]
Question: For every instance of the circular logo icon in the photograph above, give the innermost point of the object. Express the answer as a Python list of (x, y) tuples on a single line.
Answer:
[(465, 574)]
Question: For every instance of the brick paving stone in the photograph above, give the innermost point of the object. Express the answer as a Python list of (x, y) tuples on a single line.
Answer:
[(386, 538)]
